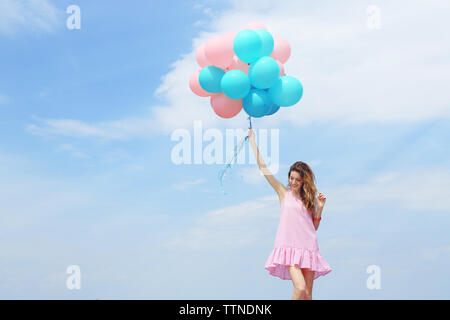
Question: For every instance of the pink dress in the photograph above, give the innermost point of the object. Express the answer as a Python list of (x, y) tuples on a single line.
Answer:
[(296, 241)]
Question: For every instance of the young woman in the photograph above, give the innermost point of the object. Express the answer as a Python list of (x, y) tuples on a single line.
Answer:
[(296, 254)]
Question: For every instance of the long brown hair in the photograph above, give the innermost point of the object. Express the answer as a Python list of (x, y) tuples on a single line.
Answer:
[(308, 190)]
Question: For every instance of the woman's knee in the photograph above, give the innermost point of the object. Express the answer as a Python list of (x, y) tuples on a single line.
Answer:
[(300, 291)]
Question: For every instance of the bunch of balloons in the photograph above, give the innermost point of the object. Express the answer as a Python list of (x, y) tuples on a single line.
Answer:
[(245, 70)]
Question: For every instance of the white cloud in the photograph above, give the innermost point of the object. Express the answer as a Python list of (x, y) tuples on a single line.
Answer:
[(252, 175), (230, 227), (28, 15), (73, 151), (251, 223), (421, 189), (123, 129), (351, 74), (109, 156), (348, 243), (183, 185), (118, 155)]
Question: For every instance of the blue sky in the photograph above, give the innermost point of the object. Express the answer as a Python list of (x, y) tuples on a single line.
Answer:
[(86, 176)]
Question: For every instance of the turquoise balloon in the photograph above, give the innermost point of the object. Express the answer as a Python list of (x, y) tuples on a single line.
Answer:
[(235, 84), (257, 103), (209, 79), (248, 45), (286, 92), (264, 73), (273, 108), (267, 41)]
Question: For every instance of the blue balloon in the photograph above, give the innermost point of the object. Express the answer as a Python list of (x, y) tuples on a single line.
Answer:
[(264, 73), (257, 103), (267, 41), (273, 108), (286, 92), (235, 84), (248, 45), (209, 79)]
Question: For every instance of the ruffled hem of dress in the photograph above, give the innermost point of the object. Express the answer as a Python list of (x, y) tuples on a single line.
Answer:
[(281, 257)]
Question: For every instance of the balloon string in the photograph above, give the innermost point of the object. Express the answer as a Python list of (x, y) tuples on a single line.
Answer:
[(237, 150)]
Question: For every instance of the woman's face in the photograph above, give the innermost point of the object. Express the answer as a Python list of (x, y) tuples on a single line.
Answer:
[(295, 180)]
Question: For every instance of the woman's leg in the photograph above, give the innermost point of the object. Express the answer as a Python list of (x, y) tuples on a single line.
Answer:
[(308, 275), (299, 283)]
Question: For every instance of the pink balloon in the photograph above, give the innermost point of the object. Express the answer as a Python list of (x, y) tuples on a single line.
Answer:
[(255, 25), (238, 64), (225, 107), (281, 50), (282, 73), (200, 56), (194, 84), (219, 50), (230, 35)]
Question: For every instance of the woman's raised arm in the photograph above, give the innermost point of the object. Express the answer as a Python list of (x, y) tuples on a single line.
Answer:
[(279, 188)]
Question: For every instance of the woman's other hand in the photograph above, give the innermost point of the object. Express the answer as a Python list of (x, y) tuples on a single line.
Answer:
[(321, 199)]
